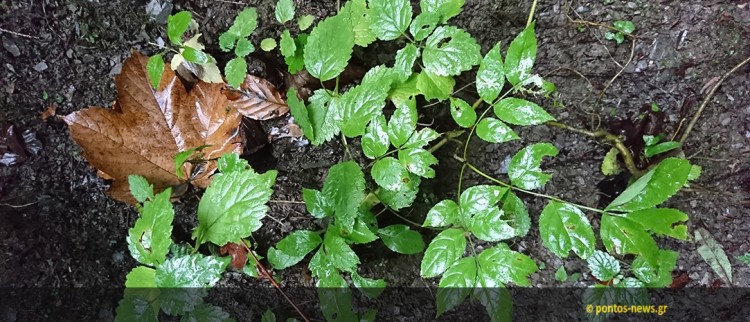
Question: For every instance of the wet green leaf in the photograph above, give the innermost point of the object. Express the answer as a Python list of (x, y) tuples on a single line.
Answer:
[(446, 9), (296, 62), (403, 122), (364, 229), (479, 198), (444, 250), (155, 68), (494, 131), (491, 225), (293, 248), (460, 53), (141, 277), (231, 162), (713, 253), (390, 18), (524, 171), (463, 113), (506, 266), (195, 56), (564, 227), (402, 198), (329, 48), (603, 266), (456, 284), (656, 276), (421, 138), (287, 45), (245, 23), (561, 275), (207, 313), (151, 236), (183, 281), (442, 214), (423, 25), (364, 102), (389, 173), (662, 221), (284, 11), (435, 87), (493, 295), (521, 56), (418, 161), (338, 252), (375, 141), (344, 189), (625, 26), (300, 114), (356, 11), (369, 287), (335, 298), (654, 187), (622, 236), (491, 75), (140, 188), (137, 308), (405, 59), (401, 239), (243, 48), (325, 115), (516, 210), (177, 24), (695, 172), (320, 266), (660, 148), (521, 112), (235, 71), (268, 316)]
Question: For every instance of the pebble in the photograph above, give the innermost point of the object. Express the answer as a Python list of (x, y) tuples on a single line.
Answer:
[(40, 67), (631, 5), (582, 9), (88, 59), (11, 47), (726, 121), (69, 53)]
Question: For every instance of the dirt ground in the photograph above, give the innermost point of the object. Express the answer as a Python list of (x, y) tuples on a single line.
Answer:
[(59, 230)]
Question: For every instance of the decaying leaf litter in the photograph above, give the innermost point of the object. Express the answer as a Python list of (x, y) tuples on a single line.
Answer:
[(721, 218)]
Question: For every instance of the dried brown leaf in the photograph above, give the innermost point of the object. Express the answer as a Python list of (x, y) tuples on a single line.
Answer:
[(146, 128), (238, 253), (49, 111), (258, 99)]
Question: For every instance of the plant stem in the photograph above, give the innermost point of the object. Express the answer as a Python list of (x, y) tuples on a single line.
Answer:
[(531, 14)]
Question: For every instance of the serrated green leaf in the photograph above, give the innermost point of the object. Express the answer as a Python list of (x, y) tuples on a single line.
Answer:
[(516, 210), (296, 62), (563, 227), (305, 22), (402, 198), (491, 75), (141, 277), (195, 56), (463, 113), (320, 266), (227, 41), (660, 148), (233, 205), (479, 198), (356, 11), (418, 161), (363, 232), (662, 221), (365, 101), (421, 138), (325, 115), (401, 239), (151, 236), (521, 56), (625, 26), (268, 44), (335, 299), (300, 114), (405, 59), (460, 53), (207, 313), (744, 259), (456, 284), (656, 276), (137, 308), (177, 24), (369, 287), (524, 171), (375, 140), (183, 281), (442, 214), (443, 251), (329, 48), (155, 68), (344, 188), (713, 253), (622, 236), (446, 9), (695, 172), (504, 265), (609, 164), (654, 187), (284, 11), (603, 266), (561, 275), (389, 18), (140, 188), (338, 252), (423, 25), (435, 87), (389, 173), (494, 131), (404, 90), (268, 315), (403, 122), (231, 162), (235, 71), (491, 225), (245, 23), (518, 111), (493, 295), (287, 45), (243, 48), (293, 248)]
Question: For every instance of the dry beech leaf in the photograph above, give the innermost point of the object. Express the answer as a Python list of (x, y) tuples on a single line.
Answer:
[(238, 253), (145, 129), (258, 99), (48, 112)]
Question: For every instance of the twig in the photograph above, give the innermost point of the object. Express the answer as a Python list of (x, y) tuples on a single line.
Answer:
[(287, 201), (609, 137), (630, 59), (708, 99), (18, 34), (19, 206)]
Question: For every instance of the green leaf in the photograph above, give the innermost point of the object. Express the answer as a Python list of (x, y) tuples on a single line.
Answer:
[(456, 284), (177, 24), (524, 171), (403, 122), (284, 11), (695, 172), (155, 68), (151, 236), (231, 162), (493, 295), (609, 164), (418, 161), (521, 112), (268, 44), (421, 138), (561, 275), (479, 198), (364, 229), (491, 75), (494, 131), (744, 259), (405, 59), (714, 255), (603, 266), (389, 18), (623, 236), (325, 115), (320, 266), (375, 140), (244, 47), (663, 221), (183, 281), (227, 41), (653, 150), (140, 188), (365, 101), (435, 87), (183, 157), (490, 225), (287, 45), (389, 173), (305, 21), (460, 53), (404, 90), (344, 188), (356, 11), (625, 26), (329, 48), (654, 187), (401, 198), (446, 9), (443, 252), (423, 25), (338, 252), (268, 315), (514, 208), (137, 308), (505, 265), (299, 112), (207, 313), (245, 23), (235, 71), (442, 214), (563, 227), (520, 57), (463, 113), (335, 299), (233, 205), (195, 56), (369, 287), (141, 277), (296, 62), (401, 239), (656, 276), (293, 248)]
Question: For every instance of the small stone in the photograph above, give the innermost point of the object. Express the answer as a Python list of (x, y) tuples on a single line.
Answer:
[(631, 5), (10, 68), (11, 47), (725, 121), (40, 67), (582, 9), (88, 59), (69, 54)]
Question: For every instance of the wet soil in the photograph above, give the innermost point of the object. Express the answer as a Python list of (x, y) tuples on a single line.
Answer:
[(59, 230)]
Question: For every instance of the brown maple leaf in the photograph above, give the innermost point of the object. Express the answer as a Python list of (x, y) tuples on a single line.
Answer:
[(239, 254), (258, 99), (146, 128)]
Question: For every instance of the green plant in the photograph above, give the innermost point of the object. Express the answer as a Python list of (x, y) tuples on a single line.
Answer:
[(621, 28)]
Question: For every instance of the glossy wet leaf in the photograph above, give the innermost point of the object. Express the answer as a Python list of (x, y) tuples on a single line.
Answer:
[(155, 68), (244, 25), (403, 122), (390, 18), (195, 56), (287, 45), (491, 225), (208, 313), (183, 281), (507, 265), (356, 11), (479, 198), (325, 115), (516, 210), (418, 161), (654, 187), (518, 111), (293, 248), (405, 59), (563, 227), (660, 148), (151, 236), (603, 266), (140, 188), (493, 295), (362, 103), (344, 189), (338, 252), (625, 26), (295, 63), (244, 47), (521, 56), (235, 71), (443, 251), (524, 168), (402, 198), (622, 236), (423, 25), (300, 114), (495, 131), (662, 221), (656, 276), (268, 44), (561, 275), (491, 75), (177, 24), (446, 9), (463, 113), (390, 174), (137, 308), (401, 239), (460, 53), (421, 138), (329, 48), (713, 253), (371, 288), (456, 284), (335, 298), (442, 214), (435, 87), (284, 11), (375, 141)]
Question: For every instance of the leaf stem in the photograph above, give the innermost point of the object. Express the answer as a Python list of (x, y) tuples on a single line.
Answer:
[(531, 14)]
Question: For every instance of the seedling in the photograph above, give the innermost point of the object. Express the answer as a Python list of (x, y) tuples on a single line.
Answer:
[(622, 28)]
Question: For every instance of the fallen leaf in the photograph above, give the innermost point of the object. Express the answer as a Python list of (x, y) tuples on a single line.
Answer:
[(713, 253), (11, 146), (680, 281), (238, 253), (146, 128), (258, 99), (49, 111)]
